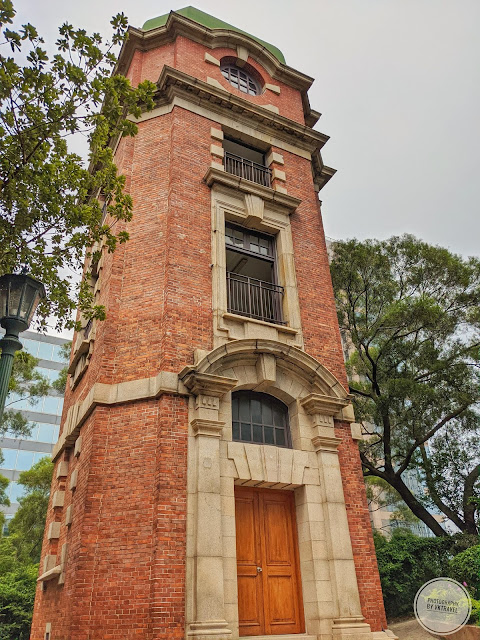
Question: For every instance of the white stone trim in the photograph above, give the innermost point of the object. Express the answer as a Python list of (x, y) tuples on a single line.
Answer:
[(273, 87), (212, 38), (242, 55), (62, 469), (274, 157), (73, 480), (229, 205), (278, 174), (271, 107), (215, 150), (211, 59), (215, 83), (58, 499), (54, 530), (216, 134)]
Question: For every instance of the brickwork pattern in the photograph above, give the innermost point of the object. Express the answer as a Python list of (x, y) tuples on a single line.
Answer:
[(188, 56), (317, 306), (369, 586), (125, 570)]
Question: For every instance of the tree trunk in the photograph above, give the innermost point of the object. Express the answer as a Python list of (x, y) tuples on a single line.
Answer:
[(468, 507), (454, 517), (415, 506)]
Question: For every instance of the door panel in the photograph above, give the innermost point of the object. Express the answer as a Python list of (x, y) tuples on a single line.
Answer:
[(277, 540), (250, 588), (282, 601), (269, 595)]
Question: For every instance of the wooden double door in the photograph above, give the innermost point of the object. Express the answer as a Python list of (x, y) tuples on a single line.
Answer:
[(269, 588)]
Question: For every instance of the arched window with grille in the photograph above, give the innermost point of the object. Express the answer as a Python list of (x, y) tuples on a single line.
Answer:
[(240, 79), (260, 418)]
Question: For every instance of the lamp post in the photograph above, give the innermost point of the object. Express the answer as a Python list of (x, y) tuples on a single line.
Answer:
[(19, 298)]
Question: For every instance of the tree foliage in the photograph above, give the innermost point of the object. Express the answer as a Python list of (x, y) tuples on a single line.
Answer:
[(25, 382), (49, 207), (381, 496), (4, 501), (465, 568), (20, 553), (17, 593), (410, 315), (27, 525), (60, 383), (406, 562)]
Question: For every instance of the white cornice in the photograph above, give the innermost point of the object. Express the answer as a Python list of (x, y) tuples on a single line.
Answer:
[(178, 25), (173, 82), (283, 200)]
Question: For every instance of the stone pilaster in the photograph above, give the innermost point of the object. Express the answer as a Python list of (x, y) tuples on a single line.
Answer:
[(348, 623), (208, 590)]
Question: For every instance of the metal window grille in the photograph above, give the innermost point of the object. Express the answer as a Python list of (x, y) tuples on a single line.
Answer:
[(240, 80), (247, 169), (260, 418)]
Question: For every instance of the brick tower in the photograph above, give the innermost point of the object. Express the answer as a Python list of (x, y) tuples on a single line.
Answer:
[(207, 478)]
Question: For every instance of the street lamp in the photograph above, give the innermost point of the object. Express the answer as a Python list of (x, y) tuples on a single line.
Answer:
[(19, 298)]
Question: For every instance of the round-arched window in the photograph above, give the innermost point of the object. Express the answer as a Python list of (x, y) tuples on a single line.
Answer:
[(259, 418), (240, 79)]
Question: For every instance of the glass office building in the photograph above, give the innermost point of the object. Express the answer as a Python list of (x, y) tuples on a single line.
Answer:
[(44, 416)]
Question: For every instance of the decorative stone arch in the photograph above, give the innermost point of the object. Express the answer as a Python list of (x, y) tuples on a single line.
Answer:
[(308, 388), (315, 399), (304, 366)]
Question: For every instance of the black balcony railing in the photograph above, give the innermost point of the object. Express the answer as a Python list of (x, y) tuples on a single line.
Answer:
[(247, 169), (254, 298)]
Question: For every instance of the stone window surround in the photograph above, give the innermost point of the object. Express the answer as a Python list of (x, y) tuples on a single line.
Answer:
[(311, 469), (253, 212), (85, 338)]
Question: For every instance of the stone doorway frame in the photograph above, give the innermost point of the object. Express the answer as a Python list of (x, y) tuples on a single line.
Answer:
[(311, 469)]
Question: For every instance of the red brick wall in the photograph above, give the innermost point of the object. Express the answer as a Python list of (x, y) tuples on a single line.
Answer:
[(125, 574), (360, 530), (188, 56), (317, 306)]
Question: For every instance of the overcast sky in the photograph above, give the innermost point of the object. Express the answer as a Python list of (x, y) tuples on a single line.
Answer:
[(397, 82)]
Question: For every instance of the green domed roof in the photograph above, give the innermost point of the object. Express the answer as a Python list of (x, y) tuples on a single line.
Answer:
[(212, 23)]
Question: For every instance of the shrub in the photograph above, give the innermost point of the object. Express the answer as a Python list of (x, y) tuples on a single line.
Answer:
[(465, 567), (405, 563), (17, 593)]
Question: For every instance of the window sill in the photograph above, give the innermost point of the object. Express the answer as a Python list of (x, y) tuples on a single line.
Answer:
[(279, 327), (218, 176), (51, 574)]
